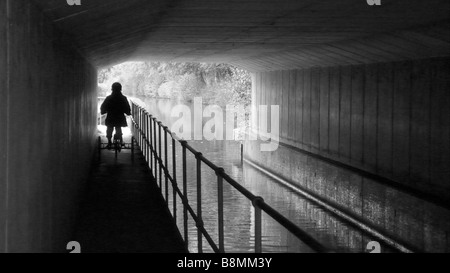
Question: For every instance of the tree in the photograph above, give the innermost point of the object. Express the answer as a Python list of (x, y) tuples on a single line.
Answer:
[(216, 83)]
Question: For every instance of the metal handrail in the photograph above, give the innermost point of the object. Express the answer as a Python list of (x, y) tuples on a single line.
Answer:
[(145, 127)]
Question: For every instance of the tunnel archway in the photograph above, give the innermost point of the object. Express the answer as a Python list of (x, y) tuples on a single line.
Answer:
[(372, 83)]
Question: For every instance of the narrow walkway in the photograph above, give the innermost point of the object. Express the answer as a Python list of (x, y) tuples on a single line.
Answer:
[(124, 211)]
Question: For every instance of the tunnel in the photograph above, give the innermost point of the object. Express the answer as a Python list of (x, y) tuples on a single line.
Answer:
[(363, 87)]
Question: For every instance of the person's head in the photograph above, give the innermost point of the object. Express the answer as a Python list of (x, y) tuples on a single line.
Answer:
[(116, 87)]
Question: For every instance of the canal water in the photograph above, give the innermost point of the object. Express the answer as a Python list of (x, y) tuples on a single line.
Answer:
[(333, 232)]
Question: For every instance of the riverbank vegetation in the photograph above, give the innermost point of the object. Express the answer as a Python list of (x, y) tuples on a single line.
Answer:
[(219, 84)]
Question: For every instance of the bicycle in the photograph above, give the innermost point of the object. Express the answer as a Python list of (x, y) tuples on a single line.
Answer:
[(118, 145)]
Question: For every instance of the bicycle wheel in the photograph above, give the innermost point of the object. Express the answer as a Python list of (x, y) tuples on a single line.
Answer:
[(116, 145)]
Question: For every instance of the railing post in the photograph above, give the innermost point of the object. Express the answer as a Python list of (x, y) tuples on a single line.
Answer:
[(143, 130), (135, 122), (150, 121), (156, 154), (185, 211), (140, 127), (144, 133), (219, 173), (174, 177), (258, 224), (137, 127), (160, 156), (199, 202), (132, 116), (147, 145), (149, 137), (166, 170)]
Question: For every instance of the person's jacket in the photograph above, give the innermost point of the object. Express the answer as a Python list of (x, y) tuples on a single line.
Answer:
[(116, 106)]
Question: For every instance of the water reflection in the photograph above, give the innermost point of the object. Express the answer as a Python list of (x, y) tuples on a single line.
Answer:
[(239, 216)]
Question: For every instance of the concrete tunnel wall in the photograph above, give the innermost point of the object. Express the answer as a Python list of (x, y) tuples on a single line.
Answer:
[(48, 124), (387, 119)]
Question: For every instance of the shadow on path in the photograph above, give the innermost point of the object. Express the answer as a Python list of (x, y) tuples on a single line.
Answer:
[(123, 210)]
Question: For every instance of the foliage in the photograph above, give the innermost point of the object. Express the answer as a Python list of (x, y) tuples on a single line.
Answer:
[(216, 83)]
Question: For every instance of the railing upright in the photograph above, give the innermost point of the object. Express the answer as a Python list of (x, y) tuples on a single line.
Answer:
[(174, 181), (258, 224), (185, 201), (166, 164), (160, 156), (150, 142), (156, 153), (147, 144), (133, 115), (219, 173), (144, 126), (138, 131), (137, 125), (199, 202), (140, 127), (152, 145)]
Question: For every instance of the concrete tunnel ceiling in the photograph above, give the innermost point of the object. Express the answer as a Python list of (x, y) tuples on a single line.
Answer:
[(258, 35)]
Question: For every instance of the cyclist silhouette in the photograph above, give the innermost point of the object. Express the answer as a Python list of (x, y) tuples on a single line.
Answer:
[(116, 106)]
